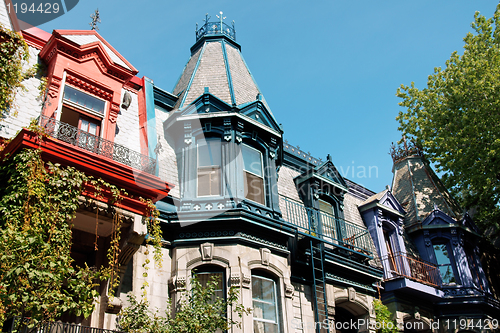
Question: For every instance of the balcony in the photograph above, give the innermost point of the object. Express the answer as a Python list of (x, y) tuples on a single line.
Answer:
[(20, 326), (403, 265), (330, 229), (97, 145)]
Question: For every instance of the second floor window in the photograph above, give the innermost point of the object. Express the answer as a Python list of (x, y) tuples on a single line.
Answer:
[(209, 167), (84, 100), (253, 174)]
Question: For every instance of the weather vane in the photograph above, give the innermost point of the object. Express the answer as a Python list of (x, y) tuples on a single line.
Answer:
[(221, 18), (95, 19)]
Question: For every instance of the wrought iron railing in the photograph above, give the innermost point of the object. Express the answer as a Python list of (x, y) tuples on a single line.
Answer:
[(333, 230), (216, 28), (403, 265), (19, 325), (95, 144)]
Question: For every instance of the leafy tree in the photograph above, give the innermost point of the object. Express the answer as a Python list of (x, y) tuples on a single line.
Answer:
[(456, 120), (37, 279), (197, 312)]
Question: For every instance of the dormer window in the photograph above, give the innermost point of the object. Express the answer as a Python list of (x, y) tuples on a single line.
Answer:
[(85, 112), (209, 167), (81, 99), (444, 264), (253, 174)]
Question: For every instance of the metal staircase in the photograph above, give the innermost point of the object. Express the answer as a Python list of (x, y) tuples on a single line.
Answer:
[(319, 287)]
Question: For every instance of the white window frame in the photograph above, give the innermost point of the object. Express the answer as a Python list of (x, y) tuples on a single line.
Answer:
[(262, 169), (276, 303), (198, 167)]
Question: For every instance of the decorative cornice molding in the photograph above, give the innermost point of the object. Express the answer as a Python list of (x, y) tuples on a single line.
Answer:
[(89, 87)]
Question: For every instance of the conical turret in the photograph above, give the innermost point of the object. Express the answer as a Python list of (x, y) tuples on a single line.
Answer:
[(417, 187)]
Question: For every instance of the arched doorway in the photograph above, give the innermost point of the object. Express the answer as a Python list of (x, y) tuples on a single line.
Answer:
[(344, 321)]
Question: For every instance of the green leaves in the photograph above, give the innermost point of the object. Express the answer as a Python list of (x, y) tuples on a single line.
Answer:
[(13, 51), (37, 278), (456, 120), (198, 311)]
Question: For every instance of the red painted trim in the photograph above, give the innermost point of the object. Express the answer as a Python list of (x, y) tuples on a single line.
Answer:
[(136, 184), (60, 33), (36, 37), (143, 120)]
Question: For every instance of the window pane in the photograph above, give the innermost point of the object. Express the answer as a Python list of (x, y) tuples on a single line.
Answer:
[(254, 188), (444, 263), (264, 312), (325, 207), (209, 172), (252, 160), (209, 181), (209, 152), (83, 99), (204, 278), (261, 327)]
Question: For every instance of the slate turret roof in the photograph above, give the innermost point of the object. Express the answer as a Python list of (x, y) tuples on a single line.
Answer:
[(216, 62)]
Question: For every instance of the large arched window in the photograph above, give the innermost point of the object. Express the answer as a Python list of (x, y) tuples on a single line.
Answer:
[(266, 316), (253, 173)]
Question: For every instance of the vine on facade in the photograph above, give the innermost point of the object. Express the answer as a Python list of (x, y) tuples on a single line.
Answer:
[(37, 276), (13, 52)]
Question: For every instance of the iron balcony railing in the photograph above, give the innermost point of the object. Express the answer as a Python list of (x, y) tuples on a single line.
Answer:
[(403, 265), (19, 325), (333, 230), (216, 28), (95, 144)]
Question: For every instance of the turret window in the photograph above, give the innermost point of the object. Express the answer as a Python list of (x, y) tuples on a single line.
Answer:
[(444, 263), (209, 167), (253, 174)]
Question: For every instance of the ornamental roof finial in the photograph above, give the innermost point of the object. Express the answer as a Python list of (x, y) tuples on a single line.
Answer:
[(221, 18), (216, 28)]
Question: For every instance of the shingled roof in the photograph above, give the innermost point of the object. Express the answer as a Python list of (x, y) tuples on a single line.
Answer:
[(217, 63)]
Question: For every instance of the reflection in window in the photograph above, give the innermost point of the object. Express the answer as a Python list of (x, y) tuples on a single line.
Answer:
[(265, 306), (83, 99), (209, 172), (444, 264), (253, 173)]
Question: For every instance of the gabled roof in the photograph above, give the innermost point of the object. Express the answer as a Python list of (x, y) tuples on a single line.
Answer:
[(384, 200), (85, 37), (325, 172)]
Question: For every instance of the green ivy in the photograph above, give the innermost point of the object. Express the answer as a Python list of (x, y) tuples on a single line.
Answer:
[(37, 278), (13, 51), (383, 318)]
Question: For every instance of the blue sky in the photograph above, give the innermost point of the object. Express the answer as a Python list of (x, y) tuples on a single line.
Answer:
[(328, 69)]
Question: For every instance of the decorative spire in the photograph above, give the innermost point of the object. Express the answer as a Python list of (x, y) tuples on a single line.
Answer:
[(216, 28), (95, 19), (404, 149)]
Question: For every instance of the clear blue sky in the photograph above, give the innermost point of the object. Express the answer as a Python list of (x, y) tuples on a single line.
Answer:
[(328, 69)]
